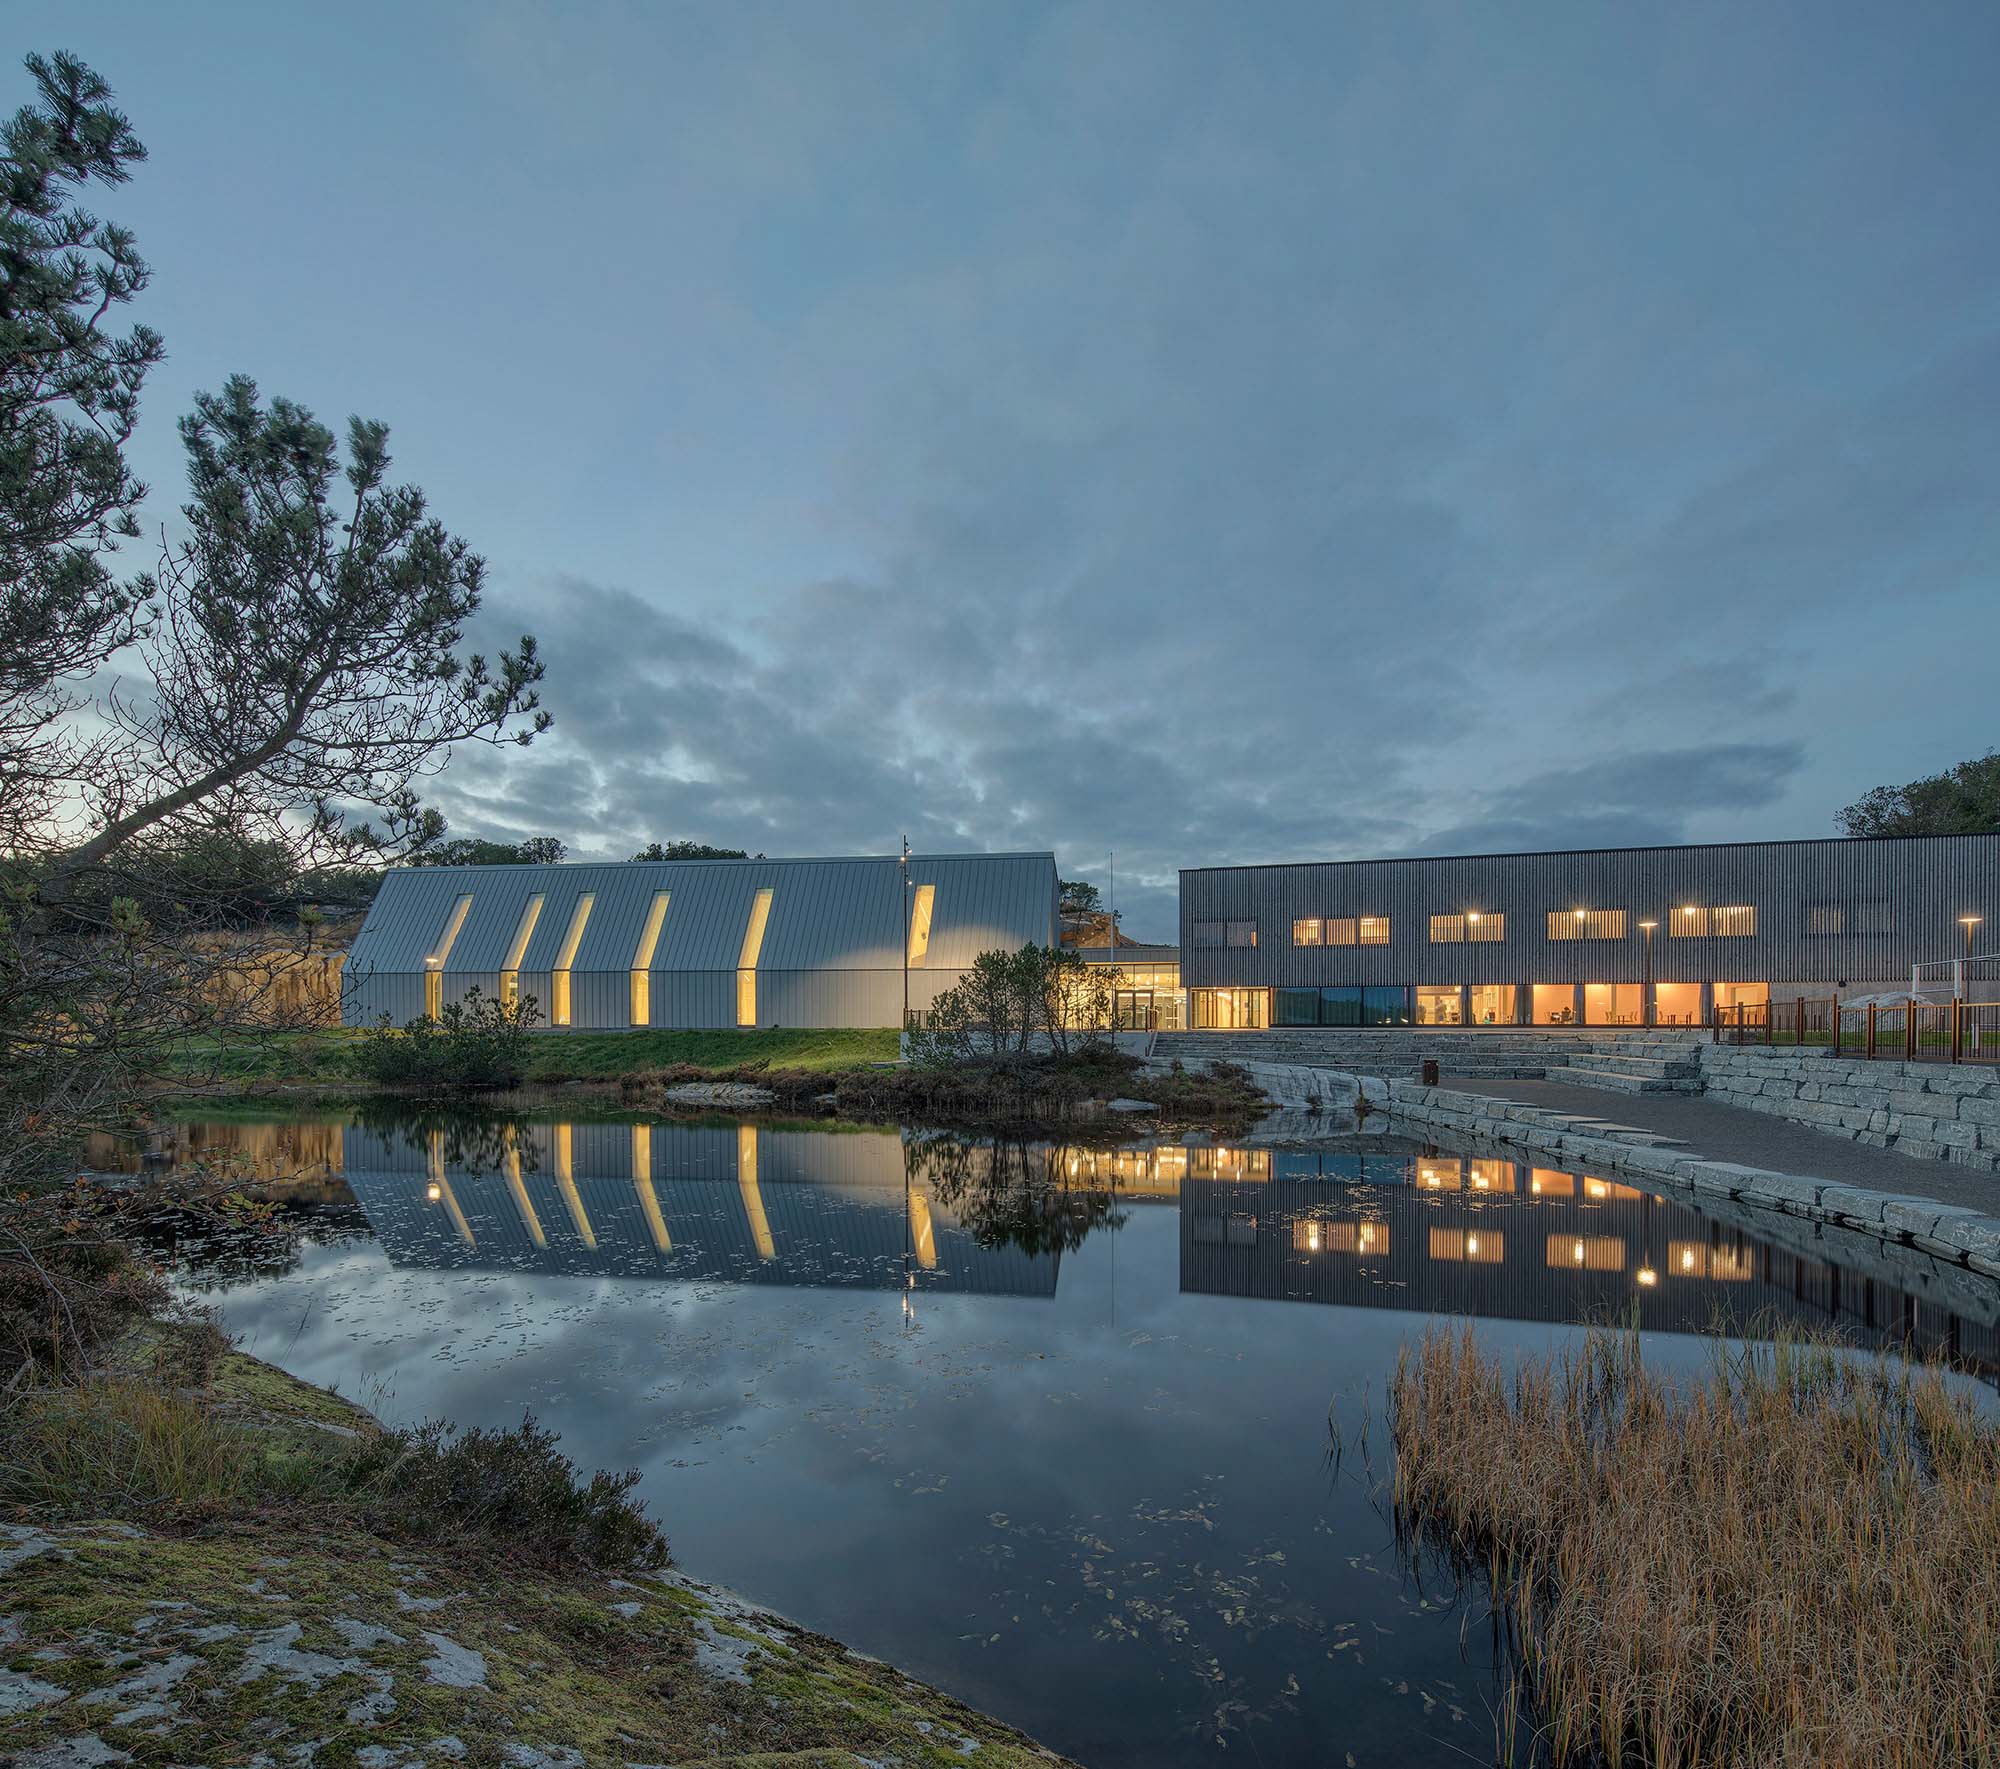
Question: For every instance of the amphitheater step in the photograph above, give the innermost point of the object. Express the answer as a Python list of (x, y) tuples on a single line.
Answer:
[(1622, 1081)]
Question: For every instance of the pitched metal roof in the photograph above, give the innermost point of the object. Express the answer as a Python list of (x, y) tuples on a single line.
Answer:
[(833, 914)]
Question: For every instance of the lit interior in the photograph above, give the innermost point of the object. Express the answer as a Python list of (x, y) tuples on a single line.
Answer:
[(1742, 994), (1491, 1004), (1614, 1004), (642, 961), (510, 1166), (642, 1180), (566, 1184), (434, 964), (746, 961), (559, 980), (1677, 1004), (753, 1196), (1585, 1253), (1439, 1007), (920, 923), (1555, 1004), (510, 975), (923, 1238)]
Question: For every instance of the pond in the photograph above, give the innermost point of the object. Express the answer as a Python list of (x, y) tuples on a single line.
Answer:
[(1054, 1428)]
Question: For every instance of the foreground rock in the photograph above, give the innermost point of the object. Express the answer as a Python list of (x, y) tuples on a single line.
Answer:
[(329, 1646)]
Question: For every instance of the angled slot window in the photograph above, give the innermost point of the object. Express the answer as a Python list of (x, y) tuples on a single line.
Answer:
[(559, 979), (642, 961), (920, 923), (746, 960), (510, 976), (434, 963)]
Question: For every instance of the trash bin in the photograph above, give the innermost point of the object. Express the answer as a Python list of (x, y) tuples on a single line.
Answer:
[(1430, 1071)]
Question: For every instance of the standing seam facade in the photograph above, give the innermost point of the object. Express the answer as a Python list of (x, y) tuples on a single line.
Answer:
[(1926, 882), (832, 953)]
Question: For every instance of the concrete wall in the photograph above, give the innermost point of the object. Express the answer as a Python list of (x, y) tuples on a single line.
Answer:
[(1942, 1111)]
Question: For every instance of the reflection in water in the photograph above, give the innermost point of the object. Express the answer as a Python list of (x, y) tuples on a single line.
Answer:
[(736, 1203), (1497, 1240), (1076, 1469)]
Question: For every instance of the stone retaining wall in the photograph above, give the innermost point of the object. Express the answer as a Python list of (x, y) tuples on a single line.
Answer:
[(1958, 1236), (1940, 1111)]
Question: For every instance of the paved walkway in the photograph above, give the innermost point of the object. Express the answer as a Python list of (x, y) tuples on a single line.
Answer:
[(1756, 1139)]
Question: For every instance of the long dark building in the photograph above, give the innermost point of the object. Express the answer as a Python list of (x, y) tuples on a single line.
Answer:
[(1605, 936)]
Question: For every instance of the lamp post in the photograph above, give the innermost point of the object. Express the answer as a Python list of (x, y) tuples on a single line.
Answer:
[(904, 864), (1968, 922), (1580, 1000), (1646, 987)]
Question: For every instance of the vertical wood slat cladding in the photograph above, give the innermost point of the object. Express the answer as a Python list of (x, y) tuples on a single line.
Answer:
[(1928, 882)]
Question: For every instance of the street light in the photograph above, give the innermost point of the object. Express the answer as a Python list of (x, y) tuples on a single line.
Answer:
[(1646, 987), (1969, 922), (904, 863)]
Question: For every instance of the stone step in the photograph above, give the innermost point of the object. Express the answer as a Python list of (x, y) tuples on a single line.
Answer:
[(1621, 1081), (1664, 1067)]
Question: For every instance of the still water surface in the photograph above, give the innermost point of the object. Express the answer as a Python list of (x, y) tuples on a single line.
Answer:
[(1049, 1427)]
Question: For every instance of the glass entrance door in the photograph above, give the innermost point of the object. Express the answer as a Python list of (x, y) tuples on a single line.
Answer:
[(1132, 1010)]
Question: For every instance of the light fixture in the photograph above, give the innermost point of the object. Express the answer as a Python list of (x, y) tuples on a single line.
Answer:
[(434, 1191), (1474, 916), (1648, 1277), (1649, 926), (1579, 915)]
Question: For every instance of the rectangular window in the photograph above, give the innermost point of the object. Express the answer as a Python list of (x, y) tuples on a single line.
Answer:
[(1374, 930), (1386, 1005), (1490, 1004), (1230, 1010), (1242, 933), (920, 923), (1865, 915), (1732, 921), (1472, 1245), (1586, 1253), (1309, 932), (510, 977), (642, 961), (1314, 1235), (1438, 1007), (1586, 924), (1207, 933), (746, 960), (1475, 924), (434, 964), (1343, 932), (579, 917)]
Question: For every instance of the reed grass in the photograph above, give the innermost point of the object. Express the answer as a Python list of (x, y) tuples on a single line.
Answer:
[(1792, 1560)]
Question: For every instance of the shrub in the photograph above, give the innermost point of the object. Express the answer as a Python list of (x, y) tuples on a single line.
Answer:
[(474, 1044), (515, 1487)]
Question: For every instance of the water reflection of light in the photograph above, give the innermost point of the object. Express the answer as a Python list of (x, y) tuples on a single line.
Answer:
[(434, 1191)]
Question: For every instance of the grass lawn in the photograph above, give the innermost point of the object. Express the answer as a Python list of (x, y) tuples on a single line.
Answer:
[(555, 1056)]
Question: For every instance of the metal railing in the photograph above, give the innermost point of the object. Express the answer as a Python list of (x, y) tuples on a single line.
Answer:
[(1903, 1032)]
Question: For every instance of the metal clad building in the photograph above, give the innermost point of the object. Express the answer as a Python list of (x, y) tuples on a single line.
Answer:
[(1512, 938), (824, 939)]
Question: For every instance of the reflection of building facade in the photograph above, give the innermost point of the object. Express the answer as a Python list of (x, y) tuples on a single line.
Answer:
[(696, 942), (739, 1204), (296, 1156), (1494, 1238), (1606, 937)]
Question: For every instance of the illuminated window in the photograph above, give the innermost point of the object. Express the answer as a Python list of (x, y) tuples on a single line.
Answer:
[(1439, 1007), (746, 960), (510, 977), (1367, 1240), (1586, 924), (1475, 924), (434, 964), (1490, 1176), (1586, 1253), (1344, 931), (1696, 1259), (920, 923), (1374, 930), (642, 961), (1309, 932), (1732, 921), (1475, 1246), (1491, 1004), (1439, 1173), (1546, 1182), (1242, 933), (559, 978)]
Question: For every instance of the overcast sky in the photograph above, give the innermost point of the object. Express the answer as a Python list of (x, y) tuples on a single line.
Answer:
[(1209, 432)]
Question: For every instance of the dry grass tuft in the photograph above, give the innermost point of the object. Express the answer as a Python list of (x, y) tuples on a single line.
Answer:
[(1792, 1561)]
